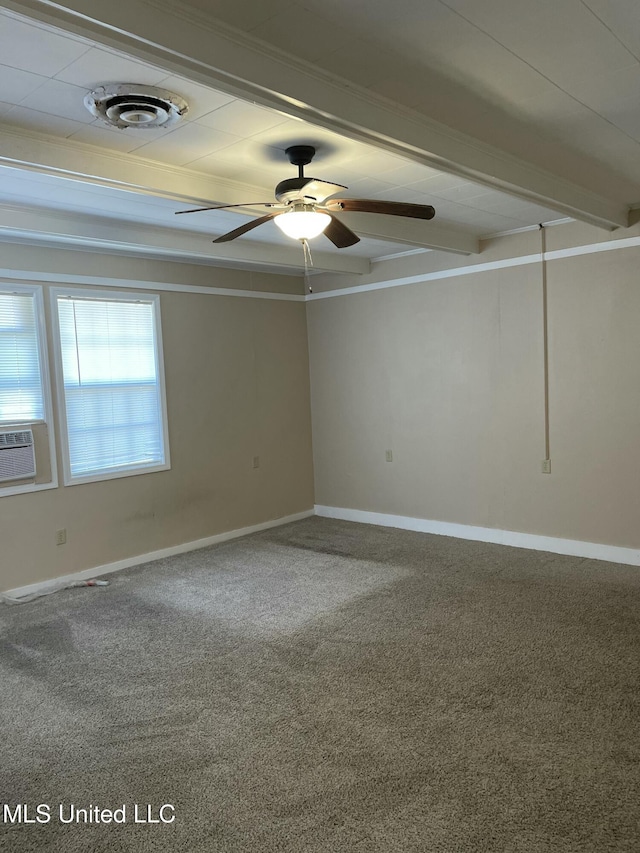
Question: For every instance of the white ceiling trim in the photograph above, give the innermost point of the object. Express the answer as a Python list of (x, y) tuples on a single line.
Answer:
[(181, 39), (42, 227), (379, 258), (430, 276), (525, 228), (414, 232), (103, 281), (70, 159), (135, 284), (505, 263)]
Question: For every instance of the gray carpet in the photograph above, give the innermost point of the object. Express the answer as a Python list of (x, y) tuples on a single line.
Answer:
[(329, 686)]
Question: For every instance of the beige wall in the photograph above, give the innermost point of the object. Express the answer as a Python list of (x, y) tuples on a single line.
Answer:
[(448, 374), (237, 387)]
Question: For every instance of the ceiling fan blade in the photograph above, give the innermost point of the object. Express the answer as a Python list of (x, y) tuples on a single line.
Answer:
[(248, 226), (390, 208), (225, 206), (339, 234)]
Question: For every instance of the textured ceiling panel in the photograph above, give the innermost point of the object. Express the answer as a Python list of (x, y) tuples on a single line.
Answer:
[(556, 81)]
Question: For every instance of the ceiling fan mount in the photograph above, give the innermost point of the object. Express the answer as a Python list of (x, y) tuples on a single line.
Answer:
[(300, 155), (302, 199)]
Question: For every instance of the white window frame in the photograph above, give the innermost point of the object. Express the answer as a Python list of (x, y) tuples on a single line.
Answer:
[(41, 331), (110, 296)]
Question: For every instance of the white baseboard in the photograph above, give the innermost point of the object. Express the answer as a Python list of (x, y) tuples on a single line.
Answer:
[(571, 547), (87, 574)]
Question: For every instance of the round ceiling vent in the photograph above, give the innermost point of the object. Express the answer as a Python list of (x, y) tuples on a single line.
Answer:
[(126, 105)]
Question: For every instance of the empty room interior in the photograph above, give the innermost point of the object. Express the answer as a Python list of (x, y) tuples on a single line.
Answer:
[(320, 426)]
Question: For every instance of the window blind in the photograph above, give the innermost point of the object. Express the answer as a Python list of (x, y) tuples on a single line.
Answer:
[(21, 393), (111, 385)]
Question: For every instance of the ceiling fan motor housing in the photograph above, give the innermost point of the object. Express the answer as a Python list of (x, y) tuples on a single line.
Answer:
[(303, 189), (126, 105), (291, 189)]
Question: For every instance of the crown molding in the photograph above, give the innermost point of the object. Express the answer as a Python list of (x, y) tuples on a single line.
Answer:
[(473, 269)]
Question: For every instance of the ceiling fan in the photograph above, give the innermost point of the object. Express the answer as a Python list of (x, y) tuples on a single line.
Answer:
[(305, 207)]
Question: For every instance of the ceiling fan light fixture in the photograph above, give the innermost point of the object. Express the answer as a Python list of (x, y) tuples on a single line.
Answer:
[(302, 224)]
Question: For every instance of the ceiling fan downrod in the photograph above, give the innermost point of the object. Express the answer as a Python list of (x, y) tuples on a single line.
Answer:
[(300, 156)]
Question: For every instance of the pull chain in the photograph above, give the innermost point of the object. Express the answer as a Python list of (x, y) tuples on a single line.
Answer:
[(308, 263)]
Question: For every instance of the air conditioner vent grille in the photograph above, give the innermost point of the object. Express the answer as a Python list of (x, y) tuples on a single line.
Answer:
[(16, 439), (131, 105), (17, 457)]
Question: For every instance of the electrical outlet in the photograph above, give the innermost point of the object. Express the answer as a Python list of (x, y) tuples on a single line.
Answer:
[(256, 461), (388, 455), (61, 536), (545, 466)]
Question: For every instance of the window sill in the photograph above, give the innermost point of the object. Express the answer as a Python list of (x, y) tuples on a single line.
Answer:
[(5, 492), (70, 480)]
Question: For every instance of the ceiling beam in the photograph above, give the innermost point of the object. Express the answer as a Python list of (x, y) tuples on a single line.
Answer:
[(34, 225), (78, 161), (413, 232), (189, 42)]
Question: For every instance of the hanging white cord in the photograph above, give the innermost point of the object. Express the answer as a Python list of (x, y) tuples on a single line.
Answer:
[(308, 263), (545, 340), (25, 599)]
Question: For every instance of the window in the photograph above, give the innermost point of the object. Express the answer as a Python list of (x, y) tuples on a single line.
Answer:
[(111, 384), (22, 396)]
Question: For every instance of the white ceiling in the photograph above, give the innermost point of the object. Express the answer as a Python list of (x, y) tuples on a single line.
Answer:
[(553, 84), (561, 75)]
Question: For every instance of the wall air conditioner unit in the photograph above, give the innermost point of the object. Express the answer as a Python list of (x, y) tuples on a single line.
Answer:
[(17, 457)]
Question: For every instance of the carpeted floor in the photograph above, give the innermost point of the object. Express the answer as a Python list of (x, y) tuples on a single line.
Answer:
[(333, 687)]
